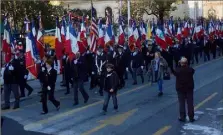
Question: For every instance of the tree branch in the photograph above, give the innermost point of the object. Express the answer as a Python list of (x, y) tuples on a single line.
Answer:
[(151, 13)]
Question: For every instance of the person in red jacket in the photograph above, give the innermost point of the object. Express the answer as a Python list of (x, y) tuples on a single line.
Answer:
[(185, 89)]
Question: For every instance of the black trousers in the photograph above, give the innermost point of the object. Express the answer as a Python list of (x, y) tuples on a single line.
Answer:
[(68, 82), (93, 82), (121, 73), (108, 95), (79, 84), (195, 56), (8, 88), (206, 56), (50, 94), (183, 98), (102, 83), (23, 85), (213, 53)]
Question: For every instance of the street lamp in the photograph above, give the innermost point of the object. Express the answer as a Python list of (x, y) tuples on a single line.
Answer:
[(55, 3)]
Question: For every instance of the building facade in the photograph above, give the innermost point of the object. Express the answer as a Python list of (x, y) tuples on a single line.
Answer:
[(191, 9)]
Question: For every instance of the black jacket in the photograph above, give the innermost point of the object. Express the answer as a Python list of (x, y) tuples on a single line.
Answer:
[(184, 79), (137, 60), (78, 70), (120, 62), (11, 76), (111, 81), (49, 78), (100, 62)]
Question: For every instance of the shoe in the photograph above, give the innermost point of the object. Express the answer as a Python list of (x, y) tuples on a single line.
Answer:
[(43, 113), (85, 101), (115, 110), (135, 83), (22, 96), (58, 107), (160, 94), (103, 112), (15, 107), (142, 81), (40, 92), (75, 104), (6, 108), (30, 92), (181, 120), (66, 93), (101, 94), (63, 85), (192, 120)]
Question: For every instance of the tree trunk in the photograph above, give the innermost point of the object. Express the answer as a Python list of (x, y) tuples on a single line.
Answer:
[(161, 15)]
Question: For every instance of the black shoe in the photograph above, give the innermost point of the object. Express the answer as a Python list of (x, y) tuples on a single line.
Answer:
[(103, 112), (192, 120), (160, 94), (15, 107), (135, 83), (40, 92), (30, 92), (101, 94), (85, 101), (63, 85), (6, 108), (43, 113), (75, 104), (58, 107), (22, 96), (67, 93), (142, 81), (181, 120)]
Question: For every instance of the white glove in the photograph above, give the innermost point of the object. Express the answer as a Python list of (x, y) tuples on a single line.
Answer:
[(25, 77), (48, 88), (114, 54), (92, 73), (11, 67), (75, 61), (127, 69), (64, 57), (43, 69), (141, 67)]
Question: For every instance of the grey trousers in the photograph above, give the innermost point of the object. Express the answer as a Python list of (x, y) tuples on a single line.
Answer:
[(7, 92)]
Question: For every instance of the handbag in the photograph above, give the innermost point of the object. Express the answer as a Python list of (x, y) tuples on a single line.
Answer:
[(166, 75)]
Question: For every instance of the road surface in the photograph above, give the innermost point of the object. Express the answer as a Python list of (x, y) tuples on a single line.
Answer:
[(141, 111)]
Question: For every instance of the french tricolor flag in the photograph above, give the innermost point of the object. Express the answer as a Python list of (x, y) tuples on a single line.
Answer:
[(101, 41), (39, 39), (63, 30), (160, 39), (186, 30), (121, 37), (73, 41), (131, 35), (108, 33), (6, 47), (179, 32), (30, 57), (143, 30), (58, 41), (83, 36), (136, 35)]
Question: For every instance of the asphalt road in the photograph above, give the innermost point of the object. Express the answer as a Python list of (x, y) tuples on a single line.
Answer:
[(141, 111)]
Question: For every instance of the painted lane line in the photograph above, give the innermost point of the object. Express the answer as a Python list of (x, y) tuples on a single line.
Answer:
[(70, 112), (162, 130), (205, 101)]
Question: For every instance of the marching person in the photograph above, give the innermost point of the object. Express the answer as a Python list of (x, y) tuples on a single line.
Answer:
[(137, 65), (78, 76), (100, 61), (207, 45), (23, 75), (50, 77), (11, 81), (184, 86), (157, 67), (120, 66), (111, 87), (67, 75)]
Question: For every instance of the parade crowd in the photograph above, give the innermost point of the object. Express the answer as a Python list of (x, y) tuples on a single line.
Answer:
[(106, 70)]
